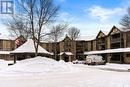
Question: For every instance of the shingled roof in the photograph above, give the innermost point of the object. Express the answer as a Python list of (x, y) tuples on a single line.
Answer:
[(28, 47)]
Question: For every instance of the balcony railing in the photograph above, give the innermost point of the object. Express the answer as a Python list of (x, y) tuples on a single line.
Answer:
[(115, 40), (101, 48), (102, 43)]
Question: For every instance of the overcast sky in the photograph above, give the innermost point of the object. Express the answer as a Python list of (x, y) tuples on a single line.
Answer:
[(90, 16)]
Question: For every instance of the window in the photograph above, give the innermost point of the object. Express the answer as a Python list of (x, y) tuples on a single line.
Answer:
[(128, 44), (1, 46), (128, 55), (115, 57), (128, 34)]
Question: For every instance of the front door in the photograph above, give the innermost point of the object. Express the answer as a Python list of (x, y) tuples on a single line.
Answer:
[(65, 57)]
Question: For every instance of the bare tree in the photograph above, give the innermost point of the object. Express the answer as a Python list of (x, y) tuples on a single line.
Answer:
[(73, 33), (125, 21), (56, 32), (38, 13), (18, 27)]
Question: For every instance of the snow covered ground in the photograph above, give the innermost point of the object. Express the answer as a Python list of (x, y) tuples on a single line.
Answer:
[(38, 65), (3, 64), (114, 67), (44, 72)]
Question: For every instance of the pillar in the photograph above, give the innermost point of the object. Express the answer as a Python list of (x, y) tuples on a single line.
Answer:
[(60, 57), (69, 58)]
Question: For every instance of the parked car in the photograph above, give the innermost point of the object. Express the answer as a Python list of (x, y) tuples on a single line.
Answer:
[(95, 60)]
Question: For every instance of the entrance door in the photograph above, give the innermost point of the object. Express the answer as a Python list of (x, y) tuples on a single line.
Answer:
[(65, 57), (116, 58)]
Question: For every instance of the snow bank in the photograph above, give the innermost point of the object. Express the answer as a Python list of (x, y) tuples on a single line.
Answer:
[(3, 64), (112, 66), (38, 65)]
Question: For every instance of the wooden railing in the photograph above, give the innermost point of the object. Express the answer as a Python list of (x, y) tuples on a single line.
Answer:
[(114, 40)]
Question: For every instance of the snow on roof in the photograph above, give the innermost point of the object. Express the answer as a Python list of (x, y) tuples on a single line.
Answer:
[(86, 38), (124, 30), (28, 47), (119, 50), (4, 52), (67, 53), (6, 37), (105, 32)]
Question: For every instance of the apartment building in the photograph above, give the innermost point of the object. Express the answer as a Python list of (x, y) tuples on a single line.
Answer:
[(7, 44), (113, 46), (69, 50)]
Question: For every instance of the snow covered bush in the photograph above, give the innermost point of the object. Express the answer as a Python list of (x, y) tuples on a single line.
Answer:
[(94, 60), (78, 62)]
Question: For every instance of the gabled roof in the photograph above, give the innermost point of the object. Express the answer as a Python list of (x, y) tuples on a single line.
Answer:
[(21, 37), (105, 32), (124, 30), (67, 53), (28, 47), (100, 32), (114, 27), (66, 37)]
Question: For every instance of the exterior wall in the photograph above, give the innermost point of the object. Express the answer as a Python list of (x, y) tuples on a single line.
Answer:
[(100, 41), (80, 47), (94, 45), (73, 49), (7, 45), (61, 46), (49, 47), (89, 46), (85, 46), (127, 58), (44, 45), (5, 56), (108, 42), (127, 39)]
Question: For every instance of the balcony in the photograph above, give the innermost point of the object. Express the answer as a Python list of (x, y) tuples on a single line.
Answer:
[(115, 46), (115, 40), (101, 43), (101, 47)]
